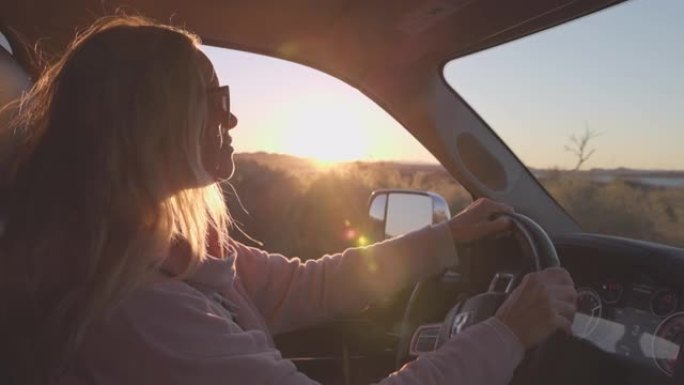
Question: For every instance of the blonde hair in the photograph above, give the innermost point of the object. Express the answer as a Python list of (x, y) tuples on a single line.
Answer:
[(108, 177)]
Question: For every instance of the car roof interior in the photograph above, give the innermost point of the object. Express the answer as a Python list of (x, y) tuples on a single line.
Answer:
[(370, 44), (349, 39)]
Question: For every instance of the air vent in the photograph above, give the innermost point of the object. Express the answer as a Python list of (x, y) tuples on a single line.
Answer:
[(424, 339)]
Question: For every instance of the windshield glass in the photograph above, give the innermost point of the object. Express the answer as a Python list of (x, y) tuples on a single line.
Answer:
[(310, 150), (594, 108)]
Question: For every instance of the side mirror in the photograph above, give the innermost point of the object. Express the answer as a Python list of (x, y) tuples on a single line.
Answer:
[(396, 212)]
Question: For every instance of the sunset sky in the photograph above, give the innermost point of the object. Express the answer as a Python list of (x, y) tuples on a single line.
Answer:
[(619, 72), (289, 108)]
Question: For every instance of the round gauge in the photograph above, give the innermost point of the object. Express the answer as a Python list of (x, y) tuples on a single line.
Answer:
[(664, 302), (588, 312), (611, 291), (669, 337)]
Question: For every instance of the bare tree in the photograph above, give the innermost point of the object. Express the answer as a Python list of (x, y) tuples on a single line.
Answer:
[(579, 146)]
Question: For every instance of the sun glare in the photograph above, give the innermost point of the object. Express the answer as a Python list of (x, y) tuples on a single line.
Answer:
[(317, 128), (325, 165), (291, 109)]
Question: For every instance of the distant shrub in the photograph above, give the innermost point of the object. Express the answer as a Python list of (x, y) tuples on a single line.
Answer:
[(621, 207)]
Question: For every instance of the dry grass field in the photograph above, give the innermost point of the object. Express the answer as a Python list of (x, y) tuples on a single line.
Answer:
[(300, 209)]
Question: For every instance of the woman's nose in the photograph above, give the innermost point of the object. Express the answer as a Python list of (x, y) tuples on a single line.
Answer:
[(232, 121)]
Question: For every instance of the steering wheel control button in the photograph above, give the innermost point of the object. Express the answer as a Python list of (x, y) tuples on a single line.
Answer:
[(461, 322), (502, 283), (425, 339)]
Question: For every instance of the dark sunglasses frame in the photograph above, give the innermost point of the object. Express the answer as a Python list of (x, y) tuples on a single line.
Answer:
[(229, 120)]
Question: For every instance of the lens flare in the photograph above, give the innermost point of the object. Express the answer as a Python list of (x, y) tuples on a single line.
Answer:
[(350, 234)]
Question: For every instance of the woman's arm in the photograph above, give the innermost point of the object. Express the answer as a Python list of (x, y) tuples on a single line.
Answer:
[(291, 294), (170, 334)]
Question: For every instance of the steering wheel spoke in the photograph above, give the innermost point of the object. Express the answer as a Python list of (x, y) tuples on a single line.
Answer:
[(536, 246)]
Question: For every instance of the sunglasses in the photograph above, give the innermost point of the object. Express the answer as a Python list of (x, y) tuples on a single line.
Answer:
[(219, 98)]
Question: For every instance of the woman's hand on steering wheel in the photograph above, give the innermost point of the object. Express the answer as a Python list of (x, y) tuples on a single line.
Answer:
[(542, 304), (479, 220)]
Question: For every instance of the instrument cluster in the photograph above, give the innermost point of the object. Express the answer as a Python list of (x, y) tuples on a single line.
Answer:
[(637, 318)]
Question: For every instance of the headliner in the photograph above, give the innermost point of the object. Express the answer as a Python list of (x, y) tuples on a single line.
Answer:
[(350, 39)]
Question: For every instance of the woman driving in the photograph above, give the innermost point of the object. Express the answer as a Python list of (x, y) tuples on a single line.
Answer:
[(117, 264)]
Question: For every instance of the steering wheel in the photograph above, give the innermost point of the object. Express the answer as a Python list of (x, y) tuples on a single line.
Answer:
[(536, 246)]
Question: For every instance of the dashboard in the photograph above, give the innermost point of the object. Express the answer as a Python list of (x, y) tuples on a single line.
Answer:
[(638, 318), (629, 328), (630, 298)]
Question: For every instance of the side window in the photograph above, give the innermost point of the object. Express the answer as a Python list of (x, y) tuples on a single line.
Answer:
[(4, 43), (13, 81), (594, 108), (310, 150)]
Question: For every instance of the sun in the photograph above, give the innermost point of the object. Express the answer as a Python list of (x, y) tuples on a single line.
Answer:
[(326, 165), (323, 128)]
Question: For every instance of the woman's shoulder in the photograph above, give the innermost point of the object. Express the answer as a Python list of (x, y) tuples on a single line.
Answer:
[(163, 298), (162, 285), (168, 315), (166, 330)]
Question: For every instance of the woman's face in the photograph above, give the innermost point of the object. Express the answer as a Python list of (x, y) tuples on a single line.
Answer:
[(217, 152)]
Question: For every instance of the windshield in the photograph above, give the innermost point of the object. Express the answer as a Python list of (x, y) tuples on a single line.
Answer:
[(310, 150), (594, 108)]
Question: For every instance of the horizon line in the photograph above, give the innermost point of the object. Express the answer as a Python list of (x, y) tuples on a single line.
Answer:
[(435, 163)]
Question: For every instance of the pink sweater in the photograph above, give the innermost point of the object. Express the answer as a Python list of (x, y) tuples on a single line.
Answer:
[(175, 332)]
